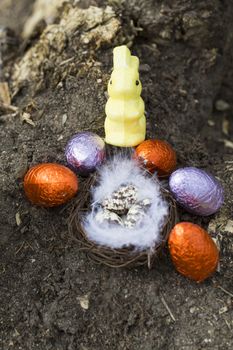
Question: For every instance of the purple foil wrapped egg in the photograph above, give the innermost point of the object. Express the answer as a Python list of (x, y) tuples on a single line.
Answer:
[(197, 191), (85, 152)]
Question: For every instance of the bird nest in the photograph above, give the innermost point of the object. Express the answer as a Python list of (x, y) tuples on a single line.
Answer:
[(123, 257)]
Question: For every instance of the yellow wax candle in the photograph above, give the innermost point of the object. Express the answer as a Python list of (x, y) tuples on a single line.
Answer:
[(125, 123)]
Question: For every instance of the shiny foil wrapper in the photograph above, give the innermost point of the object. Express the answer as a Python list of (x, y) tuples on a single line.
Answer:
[(193, 251), (157, 155), (197, 191), (85, 152), (50, 184)]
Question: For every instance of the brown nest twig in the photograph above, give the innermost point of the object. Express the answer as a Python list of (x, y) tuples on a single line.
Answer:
[(125, 257)]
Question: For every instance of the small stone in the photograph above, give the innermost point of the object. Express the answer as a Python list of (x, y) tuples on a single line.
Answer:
[(183, 92), (193, 309), (222, 310), (229, 226), (27, 118), (225, 126), (84, 301), (18, 219), (165, 34), (64, 119), (206, 14), (211, 122), (86, 40), (222, 105)]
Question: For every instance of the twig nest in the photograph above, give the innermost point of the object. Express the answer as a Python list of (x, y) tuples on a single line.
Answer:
[(122, 188), (127, 217)]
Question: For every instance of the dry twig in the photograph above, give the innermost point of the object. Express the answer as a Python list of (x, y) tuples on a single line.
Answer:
[(167, 308), (124, 257), (226, 291)]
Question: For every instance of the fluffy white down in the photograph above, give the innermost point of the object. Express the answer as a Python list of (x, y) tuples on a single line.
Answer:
[(113, 174)]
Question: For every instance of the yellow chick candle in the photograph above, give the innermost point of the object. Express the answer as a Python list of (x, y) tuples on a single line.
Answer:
[(125, 124)]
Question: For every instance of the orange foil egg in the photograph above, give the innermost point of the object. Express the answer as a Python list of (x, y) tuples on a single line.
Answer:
[(157, 155), (193, 251), (50, 184)]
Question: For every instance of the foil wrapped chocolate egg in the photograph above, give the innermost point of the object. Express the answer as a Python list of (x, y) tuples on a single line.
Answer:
[(197, 191), (193, 251), (85, 152), (157, 155), (50, 184)]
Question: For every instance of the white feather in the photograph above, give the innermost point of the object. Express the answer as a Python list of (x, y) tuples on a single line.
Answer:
[(146, 234)]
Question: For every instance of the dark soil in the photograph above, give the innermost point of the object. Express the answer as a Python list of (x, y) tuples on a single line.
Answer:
[(44, 276)]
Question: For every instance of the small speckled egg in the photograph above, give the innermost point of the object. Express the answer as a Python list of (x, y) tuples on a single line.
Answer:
[(157, 155), (121, 200), (193, 251), (85, 152), (197, 191), (50, 184), (107, 216)]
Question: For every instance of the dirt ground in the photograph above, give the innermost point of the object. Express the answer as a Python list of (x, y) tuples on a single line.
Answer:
[(52, 296)]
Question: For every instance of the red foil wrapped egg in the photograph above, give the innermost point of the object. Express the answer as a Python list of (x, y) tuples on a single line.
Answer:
[(193, 251), (157, 155), (50, 184)]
